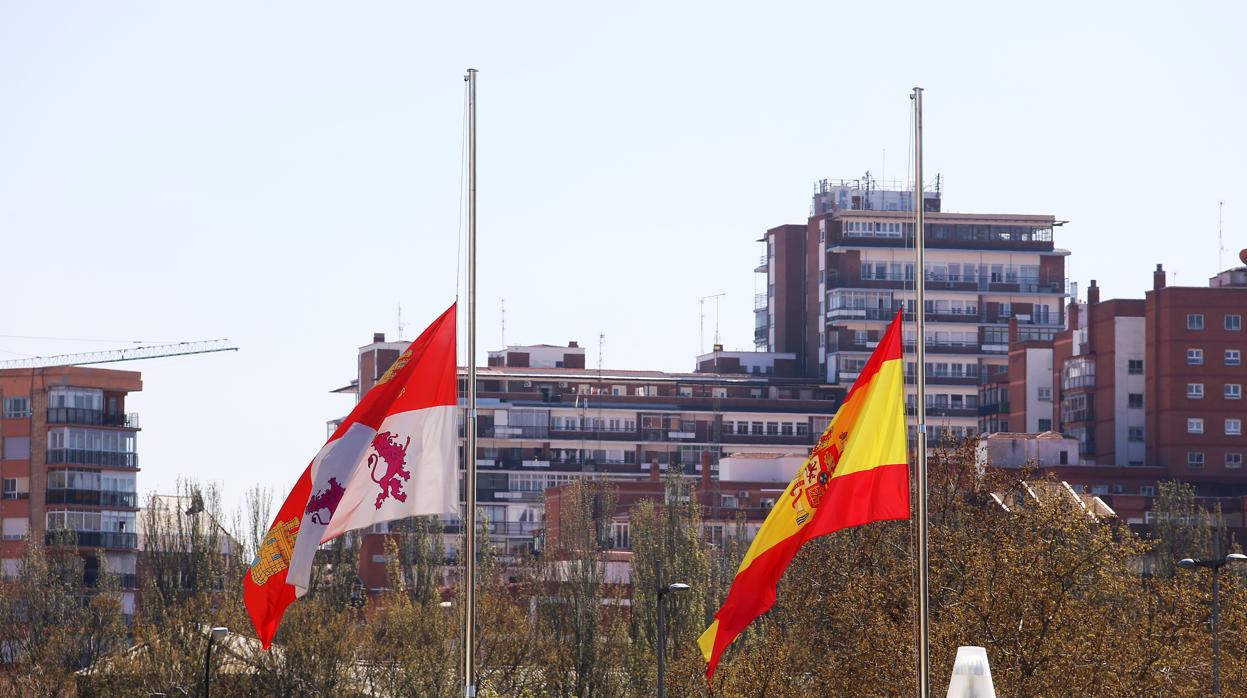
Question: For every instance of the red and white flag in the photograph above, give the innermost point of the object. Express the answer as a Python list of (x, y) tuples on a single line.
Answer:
[(395, 455)]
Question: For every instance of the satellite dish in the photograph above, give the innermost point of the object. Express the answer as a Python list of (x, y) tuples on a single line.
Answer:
[(1242, 255)]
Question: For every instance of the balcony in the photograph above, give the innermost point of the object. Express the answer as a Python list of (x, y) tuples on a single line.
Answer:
[(81, 456), (94, 539), (78, 415), (761, 334), (98, 498), (501, 528), (516, 432), (993, 408), (16, 495)]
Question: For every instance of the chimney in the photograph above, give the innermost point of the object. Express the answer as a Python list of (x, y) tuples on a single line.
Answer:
[(1073, 315), (1013, 330), (378, 337), (1158, 278), (654, 475), (573, 345), (1093, 293), (705, 471)]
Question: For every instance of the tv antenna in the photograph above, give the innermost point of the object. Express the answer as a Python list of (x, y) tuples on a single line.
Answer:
[(502, 311), (401, 325), (701, 303), (1220, 239)]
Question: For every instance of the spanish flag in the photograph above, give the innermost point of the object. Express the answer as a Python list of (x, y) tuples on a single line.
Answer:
[(857, 473)]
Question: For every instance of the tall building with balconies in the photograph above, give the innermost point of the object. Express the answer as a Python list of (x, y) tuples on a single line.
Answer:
[(69, 464), (983, 271)]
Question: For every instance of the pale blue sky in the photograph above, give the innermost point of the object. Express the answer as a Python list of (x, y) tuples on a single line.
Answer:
[(284, 174)]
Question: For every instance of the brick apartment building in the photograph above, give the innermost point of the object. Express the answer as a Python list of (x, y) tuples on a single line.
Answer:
[(69, 461), (835, 282), (545, 419), (1148, 389), (746, 489)]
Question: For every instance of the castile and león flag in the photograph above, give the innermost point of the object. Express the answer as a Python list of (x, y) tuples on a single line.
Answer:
[(857, 473), (394, 456)]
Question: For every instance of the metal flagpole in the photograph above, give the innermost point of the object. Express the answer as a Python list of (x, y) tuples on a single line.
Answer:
[(924, 666), (469, 521)]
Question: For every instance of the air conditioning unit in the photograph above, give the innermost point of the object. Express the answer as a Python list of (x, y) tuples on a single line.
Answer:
[(562, 384), (742, 494), (528, 384)]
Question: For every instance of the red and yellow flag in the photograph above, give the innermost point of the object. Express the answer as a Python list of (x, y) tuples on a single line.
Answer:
[(857, 473)]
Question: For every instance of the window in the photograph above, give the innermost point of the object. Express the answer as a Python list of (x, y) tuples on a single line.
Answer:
[(1045, 394), (1195, 357), (1233, 427), (1195, 391), (786, 429), (1233, 460), (1195, 425), (1045, 425), (15, 528), (1135, 434), (1147, 490), (1233, 357), (1233, 391), (1135, 367), (1195, 459), (756, 428), (16, 407), (772, 428), (17, 447), (1233, 322), (1195, 321), (1135, 401)]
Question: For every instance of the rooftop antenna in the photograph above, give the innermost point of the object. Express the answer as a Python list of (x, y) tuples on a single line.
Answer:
[(1220, 239), (601, 346), (502, 309), (701, 305), (401, 324)]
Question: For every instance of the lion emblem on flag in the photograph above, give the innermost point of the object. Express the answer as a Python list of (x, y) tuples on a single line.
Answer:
[(327, 500), (386, 450)]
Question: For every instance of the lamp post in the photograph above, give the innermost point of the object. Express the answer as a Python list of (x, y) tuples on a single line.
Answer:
[(217, 633), (1215, 565), (663, 589)]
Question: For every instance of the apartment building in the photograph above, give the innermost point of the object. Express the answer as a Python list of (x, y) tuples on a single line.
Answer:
[(545, 419), (834, 284), (1194, 377), (69, 462)]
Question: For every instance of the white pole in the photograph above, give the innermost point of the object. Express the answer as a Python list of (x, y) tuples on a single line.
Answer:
[(924, 673), (469, 521)]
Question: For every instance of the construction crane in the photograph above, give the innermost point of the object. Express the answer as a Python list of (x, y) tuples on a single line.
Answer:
[(154, 351)]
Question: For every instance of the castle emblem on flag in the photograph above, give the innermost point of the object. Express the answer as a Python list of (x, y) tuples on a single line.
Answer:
[(274, 554), (819, 467), (395, 457), (327, 500)]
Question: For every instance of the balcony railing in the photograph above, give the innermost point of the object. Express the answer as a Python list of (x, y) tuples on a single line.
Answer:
[(99, 498), (79, 415), (94, 539), (16, 495), (501, 528), (82, 456)]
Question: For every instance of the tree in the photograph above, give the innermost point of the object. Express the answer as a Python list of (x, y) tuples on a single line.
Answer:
[(670, 533), (579, 622), (51, 625)]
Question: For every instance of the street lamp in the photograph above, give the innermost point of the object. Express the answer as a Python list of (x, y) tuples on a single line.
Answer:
[(1215, 565), (663, 589), (217, 633)]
